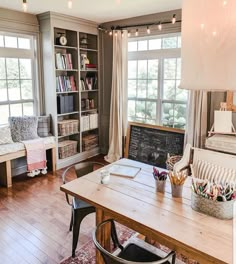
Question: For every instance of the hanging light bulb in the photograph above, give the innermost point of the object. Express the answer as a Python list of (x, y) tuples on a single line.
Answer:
[(24, 6), (110, 33), (174, 19), (70, 4), (160, 26), (122, 33), (136, 32), (115, 33), (129, 34), (148, 30), (224, 3)]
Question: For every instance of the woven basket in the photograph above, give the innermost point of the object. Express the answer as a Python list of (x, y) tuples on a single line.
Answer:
[(170, 162)]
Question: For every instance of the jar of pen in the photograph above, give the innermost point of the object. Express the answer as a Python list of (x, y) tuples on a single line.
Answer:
[(177, 180), (160, 179)]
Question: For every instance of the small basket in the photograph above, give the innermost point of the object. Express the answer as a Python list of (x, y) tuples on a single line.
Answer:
[(170, 162), (221, 210), (67, 148), (68, 127)]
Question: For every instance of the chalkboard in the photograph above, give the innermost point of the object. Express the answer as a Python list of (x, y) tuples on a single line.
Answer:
[(151, 144)]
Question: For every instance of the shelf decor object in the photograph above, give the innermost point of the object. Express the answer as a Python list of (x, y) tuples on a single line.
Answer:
[(67, 43)]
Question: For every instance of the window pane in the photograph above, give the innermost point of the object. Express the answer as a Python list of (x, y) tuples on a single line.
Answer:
[(132, 88), (152, 69), (152, 89), (179, 42), (132, 46), (132, 69), (3, 91), (25, 69), (151, 112), (178, 72), (2, 68), (1, 41), (180, 113), (16, 109), (24, 43), (169, 43), (181, 94), (28, 109), (142, 89), (26, 89), (167, 114), (142, 45), (142, 69), (4, 110), (10, 42), (12, 68), (154, 44), (169, 90), (170, 68), (131, 108), (140, 109), (14, 90)]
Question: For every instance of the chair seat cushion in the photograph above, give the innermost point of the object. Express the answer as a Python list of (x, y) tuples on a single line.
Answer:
[(134, 252), (77, 203)]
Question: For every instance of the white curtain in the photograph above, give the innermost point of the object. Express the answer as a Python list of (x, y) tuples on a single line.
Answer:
[(196, 130), (118, 107)]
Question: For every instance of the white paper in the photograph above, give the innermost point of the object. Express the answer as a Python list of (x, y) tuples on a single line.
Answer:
[(223, 122)]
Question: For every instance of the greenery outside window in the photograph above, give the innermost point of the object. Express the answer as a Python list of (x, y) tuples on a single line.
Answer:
[(18, 93), (154, 73)]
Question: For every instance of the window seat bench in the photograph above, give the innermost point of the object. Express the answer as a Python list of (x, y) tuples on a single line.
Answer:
[(9, 152)]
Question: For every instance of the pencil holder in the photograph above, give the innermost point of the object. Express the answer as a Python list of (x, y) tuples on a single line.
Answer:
[(160, 185), (176, 190)]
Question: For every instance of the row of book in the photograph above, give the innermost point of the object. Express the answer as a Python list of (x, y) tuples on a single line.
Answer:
[(89, 122), (64, 61), (87, 104), (65, 83), (89, 83)]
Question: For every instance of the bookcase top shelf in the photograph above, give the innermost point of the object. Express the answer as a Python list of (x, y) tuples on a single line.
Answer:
[(65, 47)]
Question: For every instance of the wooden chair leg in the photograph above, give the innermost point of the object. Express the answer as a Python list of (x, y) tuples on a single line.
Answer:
[(5, 174)]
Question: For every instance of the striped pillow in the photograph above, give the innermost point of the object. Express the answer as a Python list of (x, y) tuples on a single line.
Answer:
[(212, 172)]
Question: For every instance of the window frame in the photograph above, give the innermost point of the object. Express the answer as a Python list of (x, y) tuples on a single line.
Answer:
[(160, 55), (20, 53)]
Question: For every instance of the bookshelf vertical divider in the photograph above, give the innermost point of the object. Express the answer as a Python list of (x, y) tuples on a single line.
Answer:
[(71, 85)]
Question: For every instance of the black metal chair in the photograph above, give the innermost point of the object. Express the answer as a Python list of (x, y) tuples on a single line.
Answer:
[(131, 253), (80, 209)]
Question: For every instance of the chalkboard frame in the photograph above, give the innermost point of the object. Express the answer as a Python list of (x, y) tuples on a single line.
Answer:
[(130, 124)]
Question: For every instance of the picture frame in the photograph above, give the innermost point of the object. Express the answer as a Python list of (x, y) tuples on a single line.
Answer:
[(231, 101)]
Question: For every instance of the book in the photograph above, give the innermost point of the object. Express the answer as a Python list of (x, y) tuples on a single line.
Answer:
[(124, 170)]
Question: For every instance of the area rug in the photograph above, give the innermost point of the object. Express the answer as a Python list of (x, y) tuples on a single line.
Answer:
[(86, 254)]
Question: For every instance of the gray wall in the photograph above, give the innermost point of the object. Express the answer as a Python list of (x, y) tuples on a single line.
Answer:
[(106, 61)]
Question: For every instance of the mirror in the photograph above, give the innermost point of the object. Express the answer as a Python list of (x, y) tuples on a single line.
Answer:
[(231, 101)]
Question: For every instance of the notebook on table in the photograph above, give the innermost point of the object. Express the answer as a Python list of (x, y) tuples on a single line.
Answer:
[(124, 170)]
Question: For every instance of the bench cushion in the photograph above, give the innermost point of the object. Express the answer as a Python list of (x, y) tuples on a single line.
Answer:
[(14, 147)]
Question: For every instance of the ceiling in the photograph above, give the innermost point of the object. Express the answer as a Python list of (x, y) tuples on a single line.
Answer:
[(96, 10)]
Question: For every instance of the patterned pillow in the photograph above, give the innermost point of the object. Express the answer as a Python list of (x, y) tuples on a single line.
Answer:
[(213, 172), (5, 135), (23, 128), (44, 126)]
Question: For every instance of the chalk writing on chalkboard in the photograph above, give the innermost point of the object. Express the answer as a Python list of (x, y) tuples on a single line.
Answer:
[(151, 144)]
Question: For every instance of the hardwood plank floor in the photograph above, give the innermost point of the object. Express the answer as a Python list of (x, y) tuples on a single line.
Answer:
[(34, 221)]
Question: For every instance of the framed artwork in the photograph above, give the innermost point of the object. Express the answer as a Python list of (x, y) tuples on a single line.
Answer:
[(231, 101)]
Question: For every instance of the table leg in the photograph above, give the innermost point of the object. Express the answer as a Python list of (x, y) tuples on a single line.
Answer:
[(103, 234)]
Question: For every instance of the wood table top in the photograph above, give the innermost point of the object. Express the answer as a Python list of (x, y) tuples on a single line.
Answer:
[(135, 202)]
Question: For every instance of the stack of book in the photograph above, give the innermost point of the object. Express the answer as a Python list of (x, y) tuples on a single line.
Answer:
[(64, 61), (65, 83), (87, 104), (90, 67)]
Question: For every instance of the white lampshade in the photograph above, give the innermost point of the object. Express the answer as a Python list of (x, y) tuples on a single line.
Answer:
[(209, 45)]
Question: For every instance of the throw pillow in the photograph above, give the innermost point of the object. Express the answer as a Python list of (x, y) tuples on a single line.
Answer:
[(23, 128), (44, 126), (5, 135)]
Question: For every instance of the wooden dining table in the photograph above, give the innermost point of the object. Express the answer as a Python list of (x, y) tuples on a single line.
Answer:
[(135, 203)]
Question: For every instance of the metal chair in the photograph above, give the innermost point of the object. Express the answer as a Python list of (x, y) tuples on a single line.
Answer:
[(79, 208), (132, 253)]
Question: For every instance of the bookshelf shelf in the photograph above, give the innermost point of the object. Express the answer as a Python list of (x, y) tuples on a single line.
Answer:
[(85, 91), (67, 70), (65, 47), (89, 70), (76, 133), (88, 130), (67, 92), (70, 113), (89, 110), (84, 49)]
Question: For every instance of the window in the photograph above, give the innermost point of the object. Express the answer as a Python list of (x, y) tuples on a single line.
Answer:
[(154, 73), (17, 76)]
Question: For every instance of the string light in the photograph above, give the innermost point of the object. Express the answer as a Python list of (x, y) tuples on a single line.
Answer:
[(116, 34), (160, 26), (136, 32), (174, 19), (224, 3), (148, 30), (110, 33), (24, 6), (129, 34), (70, 4), (202, 26), (122, 33)]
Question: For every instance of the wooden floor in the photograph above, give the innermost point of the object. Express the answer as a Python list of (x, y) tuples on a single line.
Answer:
[(34, 221)]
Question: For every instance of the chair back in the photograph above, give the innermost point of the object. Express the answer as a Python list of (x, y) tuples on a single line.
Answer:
[(109, 258)]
